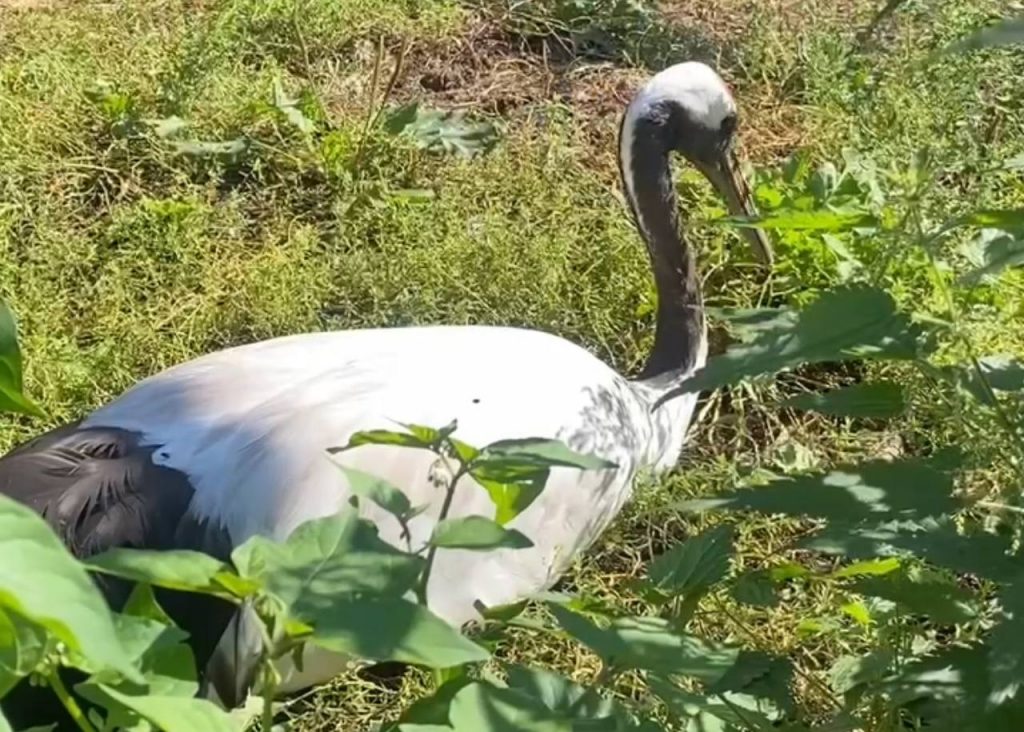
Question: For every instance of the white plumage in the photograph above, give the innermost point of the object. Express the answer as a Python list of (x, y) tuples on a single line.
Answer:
[(239, 438)]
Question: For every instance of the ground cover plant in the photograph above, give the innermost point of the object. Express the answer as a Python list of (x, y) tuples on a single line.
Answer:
[(838, 548)]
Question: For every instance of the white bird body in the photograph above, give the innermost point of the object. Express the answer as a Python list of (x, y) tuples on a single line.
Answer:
[(250, 426), (235, 444)]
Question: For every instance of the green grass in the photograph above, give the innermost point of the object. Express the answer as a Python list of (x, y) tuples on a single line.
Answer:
[(123, 258)]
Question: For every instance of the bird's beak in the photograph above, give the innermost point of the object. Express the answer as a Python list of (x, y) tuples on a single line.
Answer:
[(724, 173)]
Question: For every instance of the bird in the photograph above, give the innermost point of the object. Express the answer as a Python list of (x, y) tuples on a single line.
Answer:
[(233, 444)]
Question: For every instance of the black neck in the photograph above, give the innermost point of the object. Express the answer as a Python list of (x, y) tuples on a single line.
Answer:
[(680, 319)]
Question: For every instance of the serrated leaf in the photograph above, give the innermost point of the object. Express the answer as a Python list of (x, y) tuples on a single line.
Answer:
[(397, 119), (43, 583), (323, 561), (922, 592), (849, 672), (177, 570), (1006, 654), (539, 452), (824, 219), (992, 252), (561, 695), (850, 322), (12, 399), (875, 490), (648, 643), (448, 132), (392, 629), (748, 324), (755, 588), (476, 532), (1003, 372), (709, 713), (379, 491), (936, 541), (692, 567), (877, 400), (759, 675)]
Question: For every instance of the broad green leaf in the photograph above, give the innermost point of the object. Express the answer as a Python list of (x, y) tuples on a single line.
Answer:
[(433, 710), (824, 219), (431, 435), (379, 491), (692, 567), (755, 588), (511, 487), (142, 603), (476, 532), (1006, 654), (868, 567), (992, 252), (748, 324), (922, 592), (391, 629), (325, 560), (382, 437), (1003, 33), (761, 676), (397, 119), (851, 322), (561, 695), (448, 132), (67, 603), (858, 611), (878, 400), (11, 397), (709, 713), (1003, 372), (949, 689), (540, 453), (229, 150), (849, 672), (22, 647), (139, 636), (171, 713), (875, 490), (176, 570), (483, 707), (994, 218), (936, 541), (648, 643)]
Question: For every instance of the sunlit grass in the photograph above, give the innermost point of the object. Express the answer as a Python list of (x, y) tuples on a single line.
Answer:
[(122, 258)]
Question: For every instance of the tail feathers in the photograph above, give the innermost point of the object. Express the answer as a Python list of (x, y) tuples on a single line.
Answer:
[(99, 489)]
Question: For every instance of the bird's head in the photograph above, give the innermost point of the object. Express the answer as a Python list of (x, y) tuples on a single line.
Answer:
[(689, 108)]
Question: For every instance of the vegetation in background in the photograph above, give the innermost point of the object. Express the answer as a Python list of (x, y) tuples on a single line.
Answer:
[(175, 182)]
